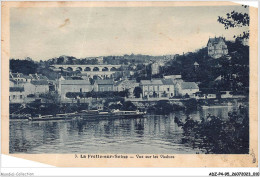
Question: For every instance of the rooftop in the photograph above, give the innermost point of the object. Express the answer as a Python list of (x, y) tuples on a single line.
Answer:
[(196, 63), (19, 75), (151, 82), (75, 82), (40, 82), (104, 82), (167, 81), (125, 81), (12, 80), (189, 85), (16, 89), (216, 40), (38, 77)]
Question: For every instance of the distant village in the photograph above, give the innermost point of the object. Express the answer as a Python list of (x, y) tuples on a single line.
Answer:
[(103, 77)]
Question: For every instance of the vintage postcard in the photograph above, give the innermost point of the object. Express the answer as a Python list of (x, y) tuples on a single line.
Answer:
[(130, 84)]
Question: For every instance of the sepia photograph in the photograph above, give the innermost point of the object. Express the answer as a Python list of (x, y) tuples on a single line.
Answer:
[(150, 80), (130, 84)]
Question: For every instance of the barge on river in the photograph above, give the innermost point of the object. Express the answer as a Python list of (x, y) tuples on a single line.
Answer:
[(67, 116), (90, 115), (114, 114)]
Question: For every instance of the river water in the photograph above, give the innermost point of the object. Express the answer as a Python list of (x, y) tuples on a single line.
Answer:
[(152, 134)]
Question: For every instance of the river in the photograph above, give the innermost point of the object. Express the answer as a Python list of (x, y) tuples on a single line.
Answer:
[(152, 134)]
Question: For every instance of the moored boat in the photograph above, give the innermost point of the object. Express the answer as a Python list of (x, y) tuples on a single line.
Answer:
[(89, 115), (216, 106), (67, 116), (114, 114)]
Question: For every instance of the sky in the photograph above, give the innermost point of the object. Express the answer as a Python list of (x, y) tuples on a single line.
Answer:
[(44, 33)]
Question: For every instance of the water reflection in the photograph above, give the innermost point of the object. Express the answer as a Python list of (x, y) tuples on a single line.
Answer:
[(152, 134)]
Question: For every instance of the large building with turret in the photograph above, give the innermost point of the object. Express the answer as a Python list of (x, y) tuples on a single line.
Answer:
[(217, 47)]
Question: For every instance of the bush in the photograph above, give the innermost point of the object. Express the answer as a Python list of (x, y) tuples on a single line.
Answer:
[(105, 94), (190, 104), (218, 135), (163, 107), (128, 106)]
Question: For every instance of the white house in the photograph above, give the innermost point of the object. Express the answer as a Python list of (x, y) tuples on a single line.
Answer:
[(168, 88), (75, 86), (151, 88), (38, 77), (37, 87), (16, 94), (104, 85), (217, 47), (19, 77), (125, 84), (186, 88)]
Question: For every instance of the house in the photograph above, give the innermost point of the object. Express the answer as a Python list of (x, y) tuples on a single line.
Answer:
[(16, 94), (156, 67), (74, 86), (196, 65), (168, 88), (125, 84), (17, 91), (186, 88), (20, 90), (151, 88), (217, 47), (104, 85), (37, 87), (19, 77), (38, 77)]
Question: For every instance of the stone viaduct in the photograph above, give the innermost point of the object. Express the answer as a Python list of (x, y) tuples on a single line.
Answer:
[(91, 71)]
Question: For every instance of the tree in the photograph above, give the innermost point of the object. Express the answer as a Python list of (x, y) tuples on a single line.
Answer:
[(218, 135), (60, 60), (190, 104), (128, 106), (236, 19), (137, 92), (23, 66), (92, 61)]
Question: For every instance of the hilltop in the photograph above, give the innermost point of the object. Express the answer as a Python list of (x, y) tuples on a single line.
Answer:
[(230, 72)]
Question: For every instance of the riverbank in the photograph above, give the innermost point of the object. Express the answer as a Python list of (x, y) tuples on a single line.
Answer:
[(164, 107), (161, 107)]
